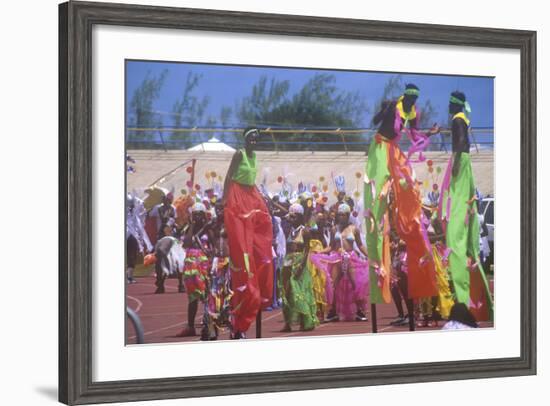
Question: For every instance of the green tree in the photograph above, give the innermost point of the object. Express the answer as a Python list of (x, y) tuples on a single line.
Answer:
[(225, 117), (266, 97), (319, 103), (393, 88), (188, 110), (211, 121), (141, 106)]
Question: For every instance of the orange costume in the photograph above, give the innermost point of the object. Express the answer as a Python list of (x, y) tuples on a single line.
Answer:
[(388, 169)]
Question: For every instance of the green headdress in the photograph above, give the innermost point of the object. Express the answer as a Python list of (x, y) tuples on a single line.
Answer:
[(412, 92), (460, 99)]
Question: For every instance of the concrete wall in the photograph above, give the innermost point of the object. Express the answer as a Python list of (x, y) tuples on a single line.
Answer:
[(298, 166)]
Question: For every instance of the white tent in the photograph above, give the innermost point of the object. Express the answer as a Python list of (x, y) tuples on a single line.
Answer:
[(213, 144)]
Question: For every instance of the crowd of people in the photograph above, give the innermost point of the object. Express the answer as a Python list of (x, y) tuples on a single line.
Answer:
[(239, 250)]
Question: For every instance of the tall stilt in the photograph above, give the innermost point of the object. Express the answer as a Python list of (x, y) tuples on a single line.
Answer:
[(373, 318), (259, 324), (410, 309), (412, 324)]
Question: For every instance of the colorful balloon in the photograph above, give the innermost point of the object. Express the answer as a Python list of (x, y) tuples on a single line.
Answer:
[(430, 162), (189, 169)]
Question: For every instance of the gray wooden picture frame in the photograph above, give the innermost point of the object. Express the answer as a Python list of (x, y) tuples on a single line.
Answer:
[(76, 20)]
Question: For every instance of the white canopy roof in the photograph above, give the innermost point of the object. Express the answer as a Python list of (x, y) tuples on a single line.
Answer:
[(213, 144)]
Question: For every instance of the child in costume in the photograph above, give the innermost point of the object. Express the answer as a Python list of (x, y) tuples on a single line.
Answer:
[(197, 243), (398, 282), (295, 282), (169, 259), (318, 243), (217, 304), (437, 307), (160, 215), (137, 240), (348, 272)]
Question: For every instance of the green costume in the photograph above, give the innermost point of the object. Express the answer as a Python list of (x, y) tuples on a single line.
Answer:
[(458, 206), (296, 285), (297, 291), (246, 171)]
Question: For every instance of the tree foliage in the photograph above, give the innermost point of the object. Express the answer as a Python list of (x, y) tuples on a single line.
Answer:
[(226, 113), (141, 106), (393, 88), (266, 98), (189, 109), (319, 103)]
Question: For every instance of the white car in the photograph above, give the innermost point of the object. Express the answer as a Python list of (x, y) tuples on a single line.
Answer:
[(487, 210)]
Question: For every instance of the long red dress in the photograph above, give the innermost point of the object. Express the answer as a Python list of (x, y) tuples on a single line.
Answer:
[(249, 231)]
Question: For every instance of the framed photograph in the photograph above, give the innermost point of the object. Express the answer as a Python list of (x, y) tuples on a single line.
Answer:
[(260, 202)]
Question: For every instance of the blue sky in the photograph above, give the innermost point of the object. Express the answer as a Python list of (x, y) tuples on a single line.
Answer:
[(226, 84)]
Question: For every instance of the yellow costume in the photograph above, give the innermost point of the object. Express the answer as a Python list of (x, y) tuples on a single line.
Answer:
[(318, 277), (444, 297)]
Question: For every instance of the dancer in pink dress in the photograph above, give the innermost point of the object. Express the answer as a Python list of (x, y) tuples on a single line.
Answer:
[(347, 271)]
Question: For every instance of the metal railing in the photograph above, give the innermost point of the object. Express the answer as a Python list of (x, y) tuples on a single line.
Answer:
[(286, 138)]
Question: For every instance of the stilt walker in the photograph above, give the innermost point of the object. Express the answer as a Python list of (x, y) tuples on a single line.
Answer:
[(459, 212), (249, 230), (389, 168)]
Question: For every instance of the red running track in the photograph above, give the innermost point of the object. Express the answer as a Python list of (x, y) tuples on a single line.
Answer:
[(164, 315)]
